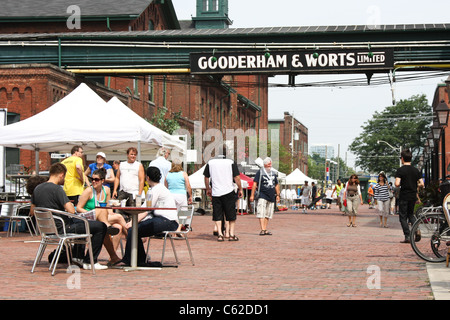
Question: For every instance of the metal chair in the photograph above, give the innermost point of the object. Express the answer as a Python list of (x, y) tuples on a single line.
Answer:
[(45, 220), (185, 215), (10, 213)]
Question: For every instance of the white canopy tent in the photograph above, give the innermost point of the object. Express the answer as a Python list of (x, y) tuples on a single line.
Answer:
[(298, 177), (197, 179), (84, 118)]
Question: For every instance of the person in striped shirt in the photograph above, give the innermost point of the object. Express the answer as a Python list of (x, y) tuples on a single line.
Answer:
[(381, 195)]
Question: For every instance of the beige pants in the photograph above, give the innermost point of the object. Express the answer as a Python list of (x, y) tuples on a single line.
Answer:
[(383, 208), (353, 204)]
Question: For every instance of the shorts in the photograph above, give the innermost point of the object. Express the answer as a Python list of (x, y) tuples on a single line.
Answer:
[(225, 204), (264, 209)]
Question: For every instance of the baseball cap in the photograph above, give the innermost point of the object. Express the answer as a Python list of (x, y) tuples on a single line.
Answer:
[(102, 154)]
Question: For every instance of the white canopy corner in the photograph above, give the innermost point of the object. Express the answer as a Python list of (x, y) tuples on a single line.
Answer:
[(298, 177)]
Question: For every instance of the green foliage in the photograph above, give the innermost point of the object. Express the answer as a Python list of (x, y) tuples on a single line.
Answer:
[(429, 195), (406, 124), (316, 167), (164, 123)]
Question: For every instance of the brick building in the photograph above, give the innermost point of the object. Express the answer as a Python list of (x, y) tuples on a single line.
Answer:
[(294, 135), (441, 164), (230, 102)]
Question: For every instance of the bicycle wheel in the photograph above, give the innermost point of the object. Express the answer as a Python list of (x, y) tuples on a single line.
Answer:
[(434, 233)]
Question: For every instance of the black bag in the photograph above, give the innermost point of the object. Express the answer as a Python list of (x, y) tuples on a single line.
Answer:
[(125, 195), (256, 197)]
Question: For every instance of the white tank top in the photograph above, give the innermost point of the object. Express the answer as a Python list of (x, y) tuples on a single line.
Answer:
[(129, 177)]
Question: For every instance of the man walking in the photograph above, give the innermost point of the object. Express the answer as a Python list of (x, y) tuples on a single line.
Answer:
[(269, 194), (74, 181), (221, 172), (408, 178)]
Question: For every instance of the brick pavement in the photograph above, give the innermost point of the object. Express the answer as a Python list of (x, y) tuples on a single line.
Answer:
[(314, 256)]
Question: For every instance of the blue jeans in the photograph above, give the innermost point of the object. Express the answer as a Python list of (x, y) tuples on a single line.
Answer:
[(147, 228)]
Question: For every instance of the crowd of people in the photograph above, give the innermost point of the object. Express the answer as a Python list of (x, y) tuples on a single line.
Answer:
[(78, 190), (164, 184)]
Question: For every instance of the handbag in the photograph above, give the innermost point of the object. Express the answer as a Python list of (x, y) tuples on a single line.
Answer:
[(391, 193)]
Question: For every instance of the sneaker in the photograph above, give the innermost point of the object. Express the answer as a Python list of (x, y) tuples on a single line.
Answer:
[(78, 262), (97, 266)]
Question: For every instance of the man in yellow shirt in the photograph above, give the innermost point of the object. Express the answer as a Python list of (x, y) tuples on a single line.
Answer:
[(74, 181)]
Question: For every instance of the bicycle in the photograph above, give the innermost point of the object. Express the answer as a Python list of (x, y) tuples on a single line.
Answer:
[(430, 233)]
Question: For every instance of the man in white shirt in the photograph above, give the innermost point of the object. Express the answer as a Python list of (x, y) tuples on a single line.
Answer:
[(130, 177), (221, 172), (162, 163)]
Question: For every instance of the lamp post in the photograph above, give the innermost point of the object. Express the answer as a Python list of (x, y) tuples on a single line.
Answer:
[(399, 149), (442, 112)]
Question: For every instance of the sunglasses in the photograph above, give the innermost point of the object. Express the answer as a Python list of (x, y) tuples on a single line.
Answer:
[(96, 179)]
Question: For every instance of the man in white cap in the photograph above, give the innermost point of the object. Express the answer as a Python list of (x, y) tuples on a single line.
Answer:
[(100, 162)]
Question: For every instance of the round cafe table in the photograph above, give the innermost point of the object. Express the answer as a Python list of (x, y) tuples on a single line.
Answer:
[(134, 212)]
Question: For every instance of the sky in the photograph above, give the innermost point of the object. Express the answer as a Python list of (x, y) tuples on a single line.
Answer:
[(333, 115)]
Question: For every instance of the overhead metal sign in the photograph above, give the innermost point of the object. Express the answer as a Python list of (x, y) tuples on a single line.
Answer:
[(300, 61)]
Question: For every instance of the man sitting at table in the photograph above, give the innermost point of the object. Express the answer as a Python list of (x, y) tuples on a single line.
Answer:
[(155, 222), (52, 196)]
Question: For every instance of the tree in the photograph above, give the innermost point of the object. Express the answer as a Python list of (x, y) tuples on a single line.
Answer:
[(405, 124), (168, 125), (316, 168)]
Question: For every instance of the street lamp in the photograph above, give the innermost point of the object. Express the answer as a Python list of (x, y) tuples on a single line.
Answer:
[(436, 130), (430, 139), (442, 111), (399, 149), (442, 117)]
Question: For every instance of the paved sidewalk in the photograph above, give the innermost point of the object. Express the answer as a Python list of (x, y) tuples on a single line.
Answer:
[(312, 256)]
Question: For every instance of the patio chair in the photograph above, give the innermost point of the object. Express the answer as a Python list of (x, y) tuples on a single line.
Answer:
[(10, 213), (45, 220), (185, 215)]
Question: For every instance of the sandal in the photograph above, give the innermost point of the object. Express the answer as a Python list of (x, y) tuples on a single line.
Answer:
[(267, 233), (262, 233), (220, 238), (233, 238), (113, 264), (349, 225)]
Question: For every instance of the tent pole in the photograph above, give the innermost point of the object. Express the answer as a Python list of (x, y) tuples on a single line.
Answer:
[(139, 151), (36, 160)]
